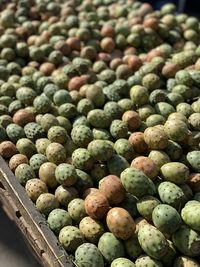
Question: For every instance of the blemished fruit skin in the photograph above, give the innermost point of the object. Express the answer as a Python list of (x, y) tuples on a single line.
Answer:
[(120, 223), (190, 248), (145, 260), (193, 158), (88, 255), (24, 172), (111, 247), (152, 241), (185, 261)]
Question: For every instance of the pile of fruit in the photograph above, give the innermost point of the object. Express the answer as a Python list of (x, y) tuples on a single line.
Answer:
[(100, 122)]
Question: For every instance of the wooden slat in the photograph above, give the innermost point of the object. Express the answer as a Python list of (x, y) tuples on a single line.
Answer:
[(32, 224)]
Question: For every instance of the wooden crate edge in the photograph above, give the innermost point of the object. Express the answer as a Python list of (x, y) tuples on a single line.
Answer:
[(32, 223)]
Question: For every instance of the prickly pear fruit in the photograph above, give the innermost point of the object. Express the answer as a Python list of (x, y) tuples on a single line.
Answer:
[(155, 138), (112, 188), (76, 209), (66, 174), (135, 181), (132, 247), (187, 241), (185, 262), (166, 218), (175, 172), (120, 223), (34, 188), (100, 150), (91, 229), (96, 205), (193, 158), (88, 255), (111, 247), (194, 182), (65, 194), (147, 165), (57, 219), (16, 160), (70, 238), (191, 214), (46, 202), (145, 260), (171, 194), (152, 241), (24, 172), (122, 262), (146, 205)]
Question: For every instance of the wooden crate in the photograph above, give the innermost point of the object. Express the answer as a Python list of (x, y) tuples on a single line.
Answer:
[(32, 224)]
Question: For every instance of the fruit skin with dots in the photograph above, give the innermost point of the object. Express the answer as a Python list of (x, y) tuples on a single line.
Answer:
[(145, 260), (66, 174), (166, 218), (55, 153), (47, 174), (57, 219), (132, 247), (147, 166), (34, 188), (120, 223), (100, 150), (168, 258), (132, 119), (24, 172), (96, 206), (15, 132), (26, 147), (175, 172), (23, 116), (190, 248), (33, 131), (46, 202), (171, 194), (139, 95), (76, 209), (176, 130), (152, 241), (191, 214), (88, 254), (16, 160), (136, 139), (81, 135), (70, 238), (57, 134), (159, 157), (91, 229), (65, 194), (184, 261), (41, 145), (117, 164), (7, 149), (112, 188), (135, 182), (155, 138), (111, 247), (118, 129), (146, 206), (122, 262), (82, 159), (124, 149), (98, 118), (84, 181), (36, 161), (193, 158)]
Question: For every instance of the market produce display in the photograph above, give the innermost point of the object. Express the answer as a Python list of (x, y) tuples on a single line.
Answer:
[(100, 122)]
